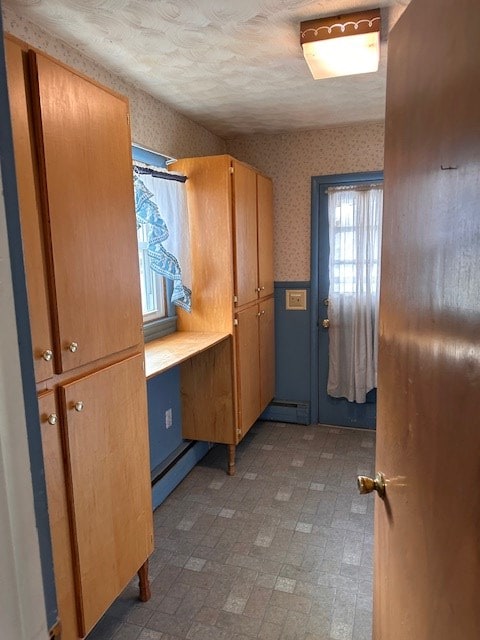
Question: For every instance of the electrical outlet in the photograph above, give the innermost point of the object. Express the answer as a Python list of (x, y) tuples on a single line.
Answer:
[(168, 418)]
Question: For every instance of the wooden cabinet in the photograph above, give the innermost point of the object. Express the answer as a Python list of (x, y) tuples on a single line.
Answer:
[(58, 512), (248, 367), (110, 482), (28, 199), (88, 195), (231, 222), (266, 339), (265, 235), (244, 211), (255, 357), (73, 163)]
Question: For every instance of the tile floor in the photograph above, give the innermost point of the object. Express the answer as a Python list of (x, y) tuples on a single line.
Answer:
[(281, 551)]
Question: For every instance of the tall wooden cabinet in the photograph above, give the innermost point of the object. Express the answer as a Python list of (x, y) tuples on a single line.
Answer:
[(73, 166), (231, 224)]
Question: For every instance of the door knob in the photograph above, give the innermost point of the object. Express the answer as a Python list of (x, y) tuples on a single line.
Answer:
[(73, 346), (78, 406), (47, 355), (326, 323), (367, 485)]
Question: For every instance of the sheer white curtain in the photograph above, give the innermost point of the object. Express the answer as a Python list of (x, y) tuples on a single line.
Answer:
[(355, 220)]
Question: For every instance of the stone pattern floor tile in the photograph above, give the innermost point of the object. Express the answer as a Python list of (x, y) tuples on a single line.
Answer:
[(281, 551)]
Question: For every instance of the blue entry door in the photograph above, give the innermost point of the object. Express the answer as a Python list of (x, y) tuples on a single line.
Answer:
[(334, 411)]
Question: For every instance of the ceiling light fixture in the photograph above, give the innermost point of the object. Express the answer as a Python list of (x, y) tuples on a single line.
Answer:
[(342, 45)]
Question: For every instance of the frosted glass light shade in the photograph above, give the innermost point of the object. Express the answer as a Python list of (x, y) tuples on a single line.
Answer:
[(345, 56), (342, 45)]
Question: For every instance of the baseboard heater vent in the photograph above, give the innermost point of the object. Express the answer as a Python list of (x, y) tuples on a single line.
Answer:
[(167, 465), (287, 411)]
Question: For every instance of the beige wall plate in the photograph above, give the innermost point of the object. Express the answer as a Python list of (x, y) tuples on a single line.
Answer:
[(296, 299)]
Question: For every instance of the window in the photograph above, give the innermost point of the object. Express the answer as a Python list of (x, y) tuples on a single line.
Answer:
[(163, 241), (355, 238), (152, 284)]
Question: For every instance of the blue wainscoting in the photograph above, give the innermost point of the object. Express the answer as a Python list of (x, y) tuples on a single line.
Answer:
[(171, 457), (292, 359)]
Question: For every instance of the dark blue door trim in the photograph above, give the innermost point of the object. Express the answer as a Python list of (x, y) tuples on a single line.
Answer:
[(319, 201)]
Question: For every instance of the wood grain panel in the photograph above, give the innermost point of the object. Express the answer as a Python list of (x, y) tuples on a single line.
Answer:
[(210, 217), (88, 192), (248, 368), (245, 233), (58, 516), (427, 574), (207, 395), (31, 223), (265, 235), (110, 481), (267, 351)]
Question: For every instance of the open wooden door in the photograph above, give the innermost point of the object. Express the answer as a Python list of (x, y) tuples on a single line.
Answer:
[(427, 573)]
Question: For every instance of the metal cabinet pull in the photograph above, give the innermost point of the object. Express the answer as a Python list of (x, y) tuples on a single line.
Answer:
[(47, 355)]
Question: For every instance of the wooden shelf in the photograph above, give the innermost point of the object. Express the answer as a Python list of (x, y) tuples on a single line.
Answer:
[(164, 353)]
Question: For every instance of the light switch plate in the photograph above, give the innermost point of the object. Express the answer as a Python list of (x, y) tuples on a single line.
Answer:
[(296, 299)]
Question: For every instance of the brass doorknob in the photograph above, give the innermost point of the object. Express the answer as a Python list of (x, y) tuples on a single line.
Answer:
[(326, 323), (367, 485)]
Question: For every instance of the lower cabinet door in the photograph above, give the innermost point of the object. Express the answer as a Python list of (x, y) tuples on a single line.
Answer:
[(247, 368), (60, 533), (108, 458), (267, 352)]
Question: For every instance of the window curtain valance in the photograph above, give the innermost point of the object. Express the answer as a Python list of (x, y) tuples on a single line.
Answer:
[(161, 203)]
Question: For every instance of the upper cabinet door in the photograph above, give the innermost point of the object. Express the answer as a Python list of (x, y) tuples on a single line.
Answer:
[(245, 230), (29, 213), (265, 235), (88, 192)]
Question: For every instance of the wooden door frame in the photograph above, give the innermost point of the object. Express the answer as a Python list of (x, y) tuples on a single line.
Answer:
[(319, 201)]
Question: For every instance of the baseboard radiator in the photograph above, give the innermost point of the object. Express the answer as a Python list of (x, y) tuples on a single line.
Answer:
[(287, 411)]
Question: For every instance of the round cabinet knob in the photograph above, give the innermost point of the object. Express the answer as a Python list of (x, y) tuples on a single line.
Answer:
[(262, 312), (52, 418), (326, 323), (262, 288), (257, 289), (47, 355), (78, 406), (73, 346), (367, 485)]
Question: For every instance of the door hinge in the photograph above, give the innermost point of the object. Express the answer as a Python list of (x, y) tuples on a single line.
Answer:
[(235, 322), (128, 118), (231, 169), (235, 299)]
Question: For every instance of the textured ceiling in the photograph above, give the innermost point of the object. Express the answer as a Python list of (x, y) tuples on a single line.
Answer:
[(234, 66)]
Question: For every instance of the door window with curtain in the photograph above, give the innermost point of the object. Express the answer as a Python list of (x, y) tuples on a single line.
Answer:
[(355, 221)]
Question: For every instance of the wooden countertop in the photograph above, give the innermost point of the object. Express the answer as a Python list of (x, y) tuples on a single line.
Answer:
[(165, 353)]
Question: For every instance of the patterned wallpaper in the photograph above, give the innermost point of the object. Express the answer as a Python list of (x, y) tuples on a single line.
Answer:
[(291, 159), (154, 125)]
